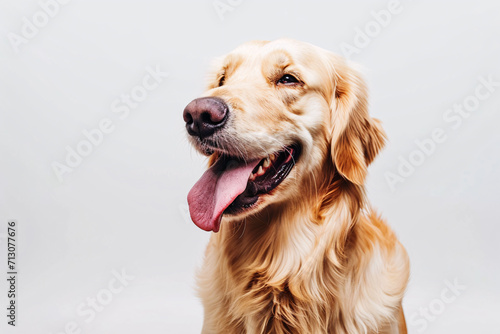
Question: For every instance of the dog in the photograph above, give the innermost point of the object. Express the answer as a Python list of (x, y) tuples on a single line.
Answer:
[(295, 247)]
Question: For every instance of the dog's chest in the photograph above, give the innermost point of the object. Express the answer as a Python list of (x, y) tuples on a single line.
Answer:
[(272, 305)]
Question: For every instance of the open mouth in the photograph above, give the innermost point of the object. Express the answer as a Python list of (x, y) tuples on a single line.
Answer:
[(232, 185), (266, 176)]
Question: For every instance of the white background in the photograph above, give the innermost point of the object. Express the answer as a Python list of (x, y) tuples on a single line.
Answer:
[(124, 206)]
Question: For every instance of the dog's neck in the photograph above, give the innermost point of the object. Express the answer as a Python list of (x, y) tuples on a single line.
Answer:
[(296, 237)]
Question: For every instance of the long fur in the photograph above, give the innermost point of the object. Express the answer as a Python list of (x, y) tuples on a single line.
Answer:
[(313, 257)]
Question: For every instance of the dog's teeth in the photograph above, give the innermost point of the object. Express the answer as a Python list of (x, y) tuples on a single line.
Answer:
[(272, 157), (260, 171), (266, 163), (252, 177)]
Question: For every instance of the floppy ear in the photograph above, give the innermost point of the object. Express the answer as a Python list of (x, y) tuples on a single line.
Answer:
[(356, 137)]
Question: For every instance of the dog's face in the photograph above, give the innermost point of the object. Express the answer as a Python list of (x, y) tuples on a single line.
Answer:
[(273, 115)]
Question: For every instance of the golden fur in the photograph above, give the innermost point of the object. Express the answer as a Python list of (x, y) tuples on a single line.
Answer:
[(311, 257)]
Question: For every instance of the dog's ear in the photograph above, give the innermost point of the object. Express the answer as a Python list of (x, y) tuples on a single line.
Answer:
[(356, 137)]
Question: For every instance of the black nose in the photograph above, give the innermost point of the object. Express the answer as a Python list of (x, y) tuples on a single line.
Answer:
[(205, 115)]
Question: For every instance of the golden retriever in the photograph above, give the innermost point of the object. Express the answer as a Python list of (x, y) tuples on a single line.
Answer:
[(296, 247)]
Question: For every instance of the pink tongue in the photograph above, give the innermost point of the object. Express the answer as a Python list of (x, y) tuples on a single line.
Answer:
[(216, 190)]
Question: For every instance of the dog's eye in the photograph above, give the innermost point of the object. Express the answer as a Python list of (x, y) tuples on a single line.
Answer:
[(287, 79), (221, 80)]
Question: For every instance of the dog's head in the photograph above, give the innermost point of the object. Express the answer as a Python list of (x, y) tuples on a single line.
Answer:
[(274, 115)]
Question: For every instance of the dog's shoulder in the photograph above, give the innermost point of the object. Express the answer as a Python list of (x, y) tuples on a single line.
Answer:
[(377, 261)]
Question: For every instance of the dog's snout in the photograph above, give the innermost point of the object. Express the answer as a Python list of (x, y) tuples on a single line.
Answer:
[(205, 115)]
